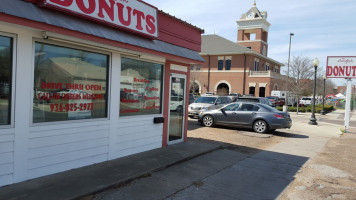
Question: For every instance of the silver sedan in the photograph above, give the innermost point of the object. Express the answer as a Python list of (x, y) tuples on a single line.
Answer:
[(261, 118)]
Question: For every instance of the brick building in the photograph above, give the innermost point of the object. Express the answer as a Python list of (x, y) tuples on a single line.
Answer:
[(241, 67)]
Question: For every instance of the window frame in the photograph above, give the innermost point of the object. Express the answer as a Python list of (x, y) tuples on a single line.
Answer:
[(13, 79), (221, 68), (74, 46), (228, 64), (162, 86)]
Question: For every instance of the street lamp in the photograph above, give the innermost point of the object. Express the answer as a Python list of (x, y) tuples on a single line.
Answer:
[(290, 43), (313, 119), (322, 110), (285, 107)]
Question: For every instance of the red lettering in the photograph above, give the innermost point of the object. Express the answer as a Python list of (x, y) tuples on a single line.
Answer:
[(348, 70), (65, 3), (109, 10), (129, 111), (336, 71), (150, 21), (129, 101), (121, 14), (354, 70), (342, 71), (90, 9), (329, 71), (139, 16)]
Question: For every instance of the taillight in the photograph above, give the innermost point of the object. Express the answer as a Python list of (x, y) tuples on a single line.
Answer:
[(279, 116)]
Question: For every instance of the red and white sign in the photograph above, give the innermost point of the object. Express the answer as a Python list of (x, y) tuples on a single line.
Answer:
[(133, 15), (341, 67)]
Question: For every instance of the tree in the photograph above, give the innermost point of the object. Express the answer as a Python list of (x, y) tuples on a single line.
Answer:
[(195, 78), (301, 72)]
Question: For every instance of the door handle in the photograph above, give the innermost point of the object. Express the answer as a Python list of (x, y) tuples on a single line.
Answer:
[(253, 113)]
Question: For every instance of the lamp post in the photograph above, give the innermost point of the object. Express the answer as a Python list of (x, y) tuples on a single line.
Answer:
[(313, 119), (285, 107), (322, 110), (290, 43)]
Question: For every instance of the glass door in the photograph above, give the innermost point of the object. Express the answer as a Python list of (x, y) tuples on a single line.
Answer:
[(176, 108)]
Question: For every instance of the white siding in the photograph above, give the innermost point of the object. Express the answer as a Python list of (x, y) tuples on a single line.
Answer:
[(137, 134), (33, 150), (57, 148), (6, 156)]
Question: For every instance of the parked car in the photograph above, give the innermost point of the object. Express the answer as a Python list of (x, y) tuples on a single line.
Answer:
[(208, 94), (262, 100), (207, 103), (259, 117), (305, 101), (235, 94), (176, 103), (276, 101)]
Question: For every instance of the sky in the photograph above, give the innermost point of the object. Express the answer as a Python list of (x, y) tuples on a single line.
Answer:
[(321, 27)]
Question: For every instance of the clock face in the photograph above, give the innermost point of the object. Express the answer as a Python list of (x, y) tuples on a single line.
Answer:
[(250, 16)]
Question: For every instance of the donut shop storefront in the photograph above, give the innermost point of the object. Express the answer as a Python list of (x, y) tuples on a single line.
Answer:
[(87, 81)]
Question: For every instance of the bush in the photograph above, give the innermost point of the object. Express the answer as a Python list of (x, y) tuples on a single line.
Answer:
[(318, 108)]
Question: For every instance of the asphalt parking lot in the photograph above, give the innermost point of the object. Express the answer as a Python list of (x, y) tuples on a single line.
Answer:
[(249, 141)]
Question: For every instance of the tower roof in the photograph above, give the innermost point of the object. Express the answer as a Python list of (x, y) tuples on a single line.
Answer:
[(256, 14), (253, 18)]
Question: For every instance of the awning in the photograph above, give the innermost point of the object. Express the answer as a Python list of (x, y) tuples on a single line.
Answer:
[(31, 11)]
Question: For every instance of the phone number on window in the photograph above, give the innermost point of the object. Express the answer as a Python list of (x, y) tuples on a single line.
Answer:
[(71, 107)]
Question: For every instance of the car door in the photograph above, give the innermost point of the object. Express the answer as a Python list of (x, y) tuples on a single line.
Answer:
[(245, 114), (228, 114)]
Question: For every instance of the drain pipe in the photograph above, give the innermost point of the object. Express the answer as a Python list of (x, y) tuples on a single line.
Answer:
[(244, 83), (208, 74)]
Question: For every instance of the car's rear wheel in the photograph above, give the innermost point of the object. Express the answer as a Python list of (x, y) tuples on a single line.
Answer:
[(260, 126), (208, 120)]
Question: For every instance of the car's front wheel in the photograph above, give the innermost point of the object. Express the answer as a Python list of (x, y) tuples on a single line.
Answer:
[(260, 126), (208, 120)]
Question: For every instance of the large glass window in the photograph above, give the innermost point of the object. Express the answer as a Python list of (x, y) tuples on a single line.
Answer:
[(5, 79), (69, 84), (140, 88)]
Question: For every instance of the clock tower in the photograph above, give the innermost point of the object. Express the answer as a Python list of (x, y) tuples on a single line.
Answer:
[(253, 30)]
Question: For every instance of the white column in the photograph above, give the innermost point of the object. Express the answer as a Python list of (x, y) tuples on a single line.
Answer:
[(348, 105), (23, 87)]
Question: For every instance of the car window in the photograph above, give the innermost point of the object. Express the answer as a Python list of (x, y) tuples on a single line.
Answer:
[(218, 101), (268, 108), (247, 100), (228, 100), (246, 107), (232, 107), (256, 108), (208, 100)]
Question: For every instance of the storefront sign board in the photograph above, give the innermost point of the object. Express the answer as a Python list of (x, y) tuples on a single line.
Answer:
[(133, 15), (341, 67)]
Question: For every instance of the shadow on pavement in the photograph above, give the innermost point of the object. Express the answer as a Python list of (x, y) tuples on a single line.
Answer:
[(224, 171), (253, 174)]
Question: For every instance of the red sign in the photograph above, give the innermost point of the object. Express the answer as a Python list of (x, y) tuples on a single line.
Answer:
[(133, 15), (341, 67)]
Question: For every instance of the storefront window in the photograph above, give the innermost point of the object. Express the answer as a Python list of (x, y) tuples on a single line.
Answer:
[(5, 79), (140, 88), (69, 84)]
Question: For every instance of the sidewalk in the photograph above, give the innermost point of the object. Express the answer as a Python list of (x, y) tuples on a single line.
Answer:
[(84, 181)]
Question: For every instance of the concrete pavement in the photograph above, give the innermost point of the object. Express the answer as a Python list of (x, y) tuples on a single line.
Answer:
[(247, 177), (87, 180)]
